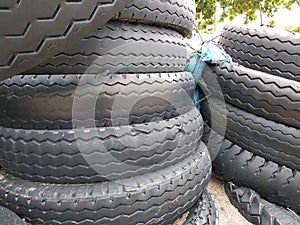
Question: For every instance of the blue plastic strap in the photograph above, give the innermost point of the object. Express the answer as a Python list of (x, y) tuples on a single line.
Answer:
[(213, 53), (210, 53)]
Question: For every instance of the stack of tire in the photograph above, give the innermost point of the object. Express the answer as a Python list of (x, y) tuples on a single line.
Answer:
[(104, 132), (261, 147)]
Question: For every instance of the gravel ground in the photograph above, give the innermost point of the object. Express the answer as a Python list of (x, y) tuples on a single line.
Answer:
[(228, 214)]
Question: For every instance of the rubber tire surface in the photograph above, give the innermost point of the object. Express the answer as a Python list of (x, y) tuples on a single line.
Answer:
[(120, 48), (34, 30), (271, 140), (7, 217), (204, 212), (154, 198), (48, 101), (212, 140), (99, 154), (266, 50), (257, 210), (276, 183), (175, 14), (263, 94)]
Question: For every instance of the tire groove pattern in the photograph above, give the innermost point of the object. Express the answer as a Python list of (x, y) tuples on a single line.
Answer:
[(174, 14), (62, 156), (46, 101), (120, 48), (257, 210), (274, 141), (265, 95), (264, 50), (274, 182), (153, 198), (204, 212), (50, 27)]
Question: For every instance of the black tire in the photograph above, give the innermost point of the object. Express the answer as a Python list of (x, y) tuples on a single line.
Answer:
[(257, 210), (120, 48), (265, 95), (212, 140), (204, 212), (99, 154), (155, 198), (35, 30), (264, 50), (8, 217), (174, 14), (274, 182), (273, 141), (47, 101)]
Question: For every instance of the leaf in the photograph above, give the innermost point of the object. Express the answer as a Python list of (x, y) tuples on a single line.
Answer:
[(232, 8)]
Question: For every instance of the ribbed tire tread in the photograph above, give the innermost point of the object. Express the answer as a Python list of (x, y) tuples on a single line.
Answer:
[(204, 212), (120, 48), (174, 14), (269, 139), (263, 94), (276, 183), (212, 140), (99, 154), (35, 30), (257, 210), (48, 101), (265, 50), (155, 198)]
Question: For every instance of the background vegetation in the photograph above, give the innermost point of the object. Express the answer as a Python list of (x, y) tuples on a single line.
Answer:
[(250, 10)]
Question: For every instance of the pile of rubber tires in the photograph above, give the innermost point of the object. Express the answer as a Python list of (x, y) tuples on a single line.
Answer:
[(99, 126), (260, 119)]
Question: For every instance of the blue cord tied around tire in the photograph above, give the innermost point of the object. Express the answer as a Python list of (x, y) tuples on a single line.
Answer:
[(209, 53)]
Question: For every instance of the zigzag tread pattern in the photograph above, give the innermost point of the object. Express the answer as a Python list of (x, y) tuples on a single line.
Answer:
[(267, 138), (106, 119), (278, 184), (265, 95), (47, 81), (82, 173), (157, 192), (269, 52), (204, 212), (252, 61), (119, 31), (87, 134), (136, 147), (50, 27), (155, 64), (48, 101), (177, 15), (120, 48), (257, 210)]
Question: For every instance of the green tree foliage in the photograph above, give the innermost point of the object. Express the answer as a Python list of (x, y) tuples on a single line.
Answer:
[(288, 4), (293, 29), (206, 9)]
